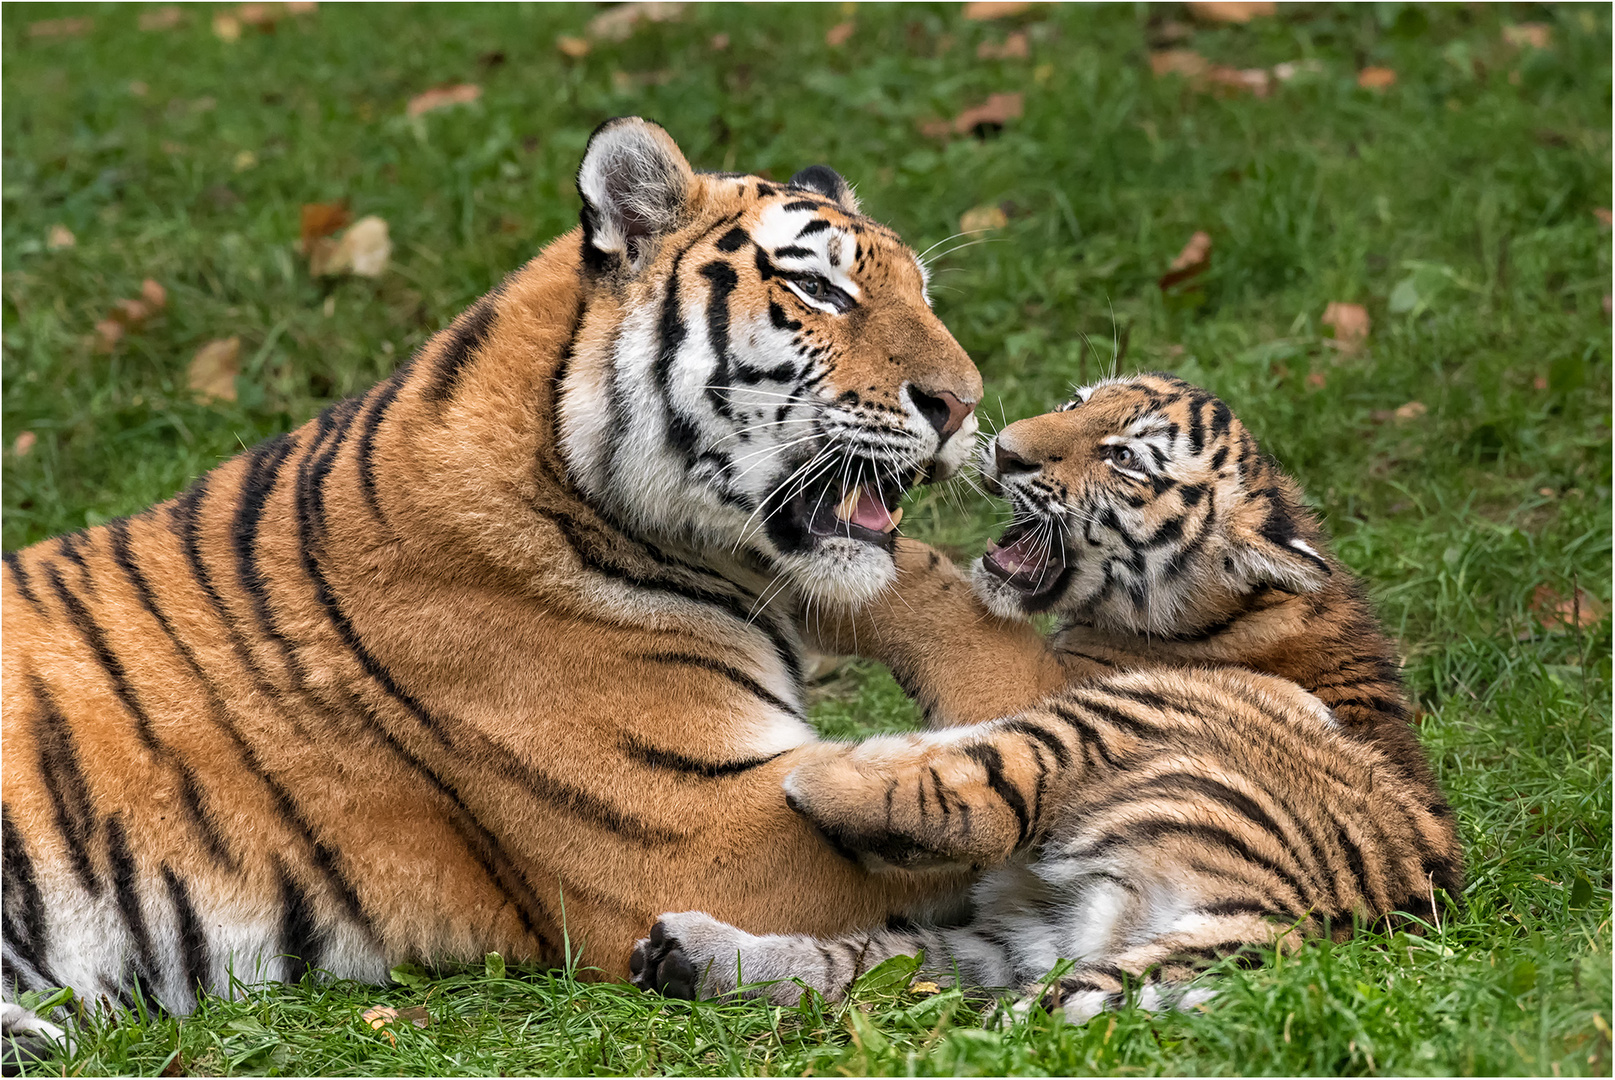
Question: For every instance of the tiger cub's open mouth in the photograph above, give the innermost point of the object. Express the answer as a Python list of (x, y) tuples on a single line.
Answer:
[(1030, 557)]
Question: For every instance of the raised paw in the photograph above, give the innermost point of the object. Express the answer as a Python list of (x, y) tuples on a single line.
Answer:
[(908, 802)]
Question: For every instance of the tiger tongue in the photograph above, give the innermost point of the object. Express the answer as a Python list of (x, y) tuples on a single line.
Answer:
[(862, 508)]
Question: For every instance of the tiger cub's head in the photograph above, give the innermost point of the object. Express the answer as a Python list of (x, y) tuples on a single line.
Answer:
[(1143, 505), (760, 372)]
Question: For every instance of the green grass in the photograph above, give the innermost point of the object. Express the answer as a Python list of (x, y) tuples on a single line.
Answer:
[(1482, 165)]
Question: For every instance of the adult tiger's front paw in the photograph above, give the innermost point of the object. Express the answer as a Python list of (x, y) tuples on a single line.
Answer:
[(906, 802)]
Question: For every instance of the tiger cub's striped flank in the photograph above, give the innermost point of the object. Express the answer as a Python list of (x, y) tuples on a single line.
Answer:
[(498, 635), (1220, 756)]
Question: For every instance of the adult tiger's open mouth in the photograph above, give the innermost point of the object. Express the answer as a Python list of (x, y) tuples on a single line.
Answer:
[(858, 510), (1030, 557)]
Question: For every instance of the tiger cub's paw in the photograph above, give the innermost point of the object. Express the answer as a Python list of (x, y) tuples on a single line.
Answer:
[(686, 956), (27, 1041), (904, 802)]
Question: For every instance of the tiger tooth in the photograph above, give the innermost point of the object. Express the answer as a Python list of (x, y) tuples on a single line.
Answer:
[(897, 517), (849, 503)]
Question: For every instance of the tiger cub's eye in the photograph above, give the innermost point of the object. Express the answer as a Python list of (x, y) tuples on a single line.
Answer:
[(814, 287), (1121, 455)]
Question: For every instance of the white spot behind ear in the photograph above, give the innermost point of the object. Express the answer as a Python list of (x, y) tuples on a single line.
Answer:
[(635, 184)]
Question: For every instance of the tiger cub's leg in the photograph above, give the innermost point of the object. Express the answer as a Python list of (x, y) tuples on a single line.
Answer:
[(691, 955), (26, 1039), (961, 663)]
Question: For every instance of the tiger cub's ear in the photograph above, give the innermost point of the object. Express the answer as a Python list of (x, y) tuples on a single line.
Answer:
[(635, 185), (827, 182), (1273, 541)]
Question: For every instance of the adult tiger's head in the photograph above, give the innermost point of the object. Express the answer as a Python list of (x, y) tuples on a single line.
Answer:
[(1143, 505), (760, 371)]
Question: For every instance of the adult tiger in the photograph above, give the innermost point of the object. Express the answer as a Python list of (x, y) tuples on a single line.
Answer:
[(1221, 756), (499, 634)]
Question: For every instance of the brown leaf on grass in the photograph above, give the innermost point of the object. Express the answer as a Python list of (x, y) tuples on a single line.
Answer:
[(165, 17), (1603, 216), (1531, 35), (264, 16), (1186, 62), (985, 118), (23, 444), (108, 332), (1291, 68), (1255, 81), (1410, 411), (1317, 380), (1014, 47), (226, 27), (838, 35), (213, 370), (1213, 12), (1376, 78), (1191, 261), (1350, 323), (378, 1016), (982, 218), (718, 42), (575, 47), (59, 237), (1556, 611), (60, 28), (362, 251), (443, 97), (620, 22), (320, 220), (986, 11)]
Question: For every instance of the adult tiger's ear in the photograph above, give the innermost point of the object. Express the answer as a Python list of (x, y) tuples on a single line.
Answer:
[(1274, 541), (635, 185), (827, 182)]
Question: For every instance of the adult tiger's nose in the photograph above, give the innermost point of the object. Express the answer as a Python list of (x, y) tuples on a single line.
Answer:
[(1008, 461), (942, 410)]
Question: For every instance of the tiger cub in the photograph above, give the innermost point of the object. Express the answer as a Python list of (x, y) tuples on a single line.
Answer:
[(1221, 756)]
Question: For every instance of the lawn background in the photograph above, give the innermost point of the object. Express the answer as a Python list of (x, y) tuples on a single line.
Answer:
[(1469, 188)]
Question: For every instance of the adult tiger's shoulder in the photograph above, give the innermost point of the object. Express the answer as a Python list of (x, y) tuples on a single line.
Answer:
[(512, 629)]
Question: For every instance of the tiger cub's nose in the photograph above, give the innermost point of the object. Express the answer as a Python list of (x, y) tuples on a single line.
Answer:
[(1008, 462), (942, 410)]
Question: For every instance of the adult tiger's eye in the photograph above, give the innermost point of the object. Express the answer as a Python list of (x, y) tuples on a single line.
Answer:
[(1121, 455), (814, 287)]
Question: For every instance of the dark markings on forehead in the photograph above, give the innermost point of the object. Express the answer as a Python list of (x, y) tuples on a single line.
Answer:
[(733, 240), (817, 225), (791, 251), (809, 204)]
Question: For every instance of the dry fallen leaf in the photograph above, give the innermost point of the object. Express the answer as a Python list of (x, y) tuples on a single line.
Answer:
[(719, 42), (108, 332), (1241, 80), (1539, 382), (1350, 322), (1191, 261), (1291, 68), (982, 218), (378, 1016), (1533, 35), (924, 986), (1317, 380), (1185, 62), (985, 11), (1555, 611), (226, 27), (1015, 47), (575, 47), (165, 17), (1603, 215), (443, 97), (838, 34), (213, 369), (1376, 78), (362, 251), (1411, 411), (58, 28), (59, 237), (1212, 12), (320, 220), (619, 23), (24, 443), (990, 115)]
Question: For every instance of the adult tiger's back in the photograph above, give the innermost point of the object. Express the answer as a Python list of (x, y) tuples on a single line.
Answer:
[(491, 637)]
